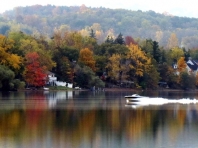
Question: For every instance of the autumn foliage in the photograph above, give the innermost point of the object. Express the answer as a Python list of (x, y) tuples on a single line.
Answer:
[(129, 40), (34, 73), (86, 57), (181, 64), (114, 66), (78, 58), (138, 60), (7, 58)]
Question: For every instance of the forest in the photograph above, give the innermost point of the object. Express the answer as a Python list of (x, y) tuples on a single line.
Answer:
[(44, 20), (25, 61), (93, 55)]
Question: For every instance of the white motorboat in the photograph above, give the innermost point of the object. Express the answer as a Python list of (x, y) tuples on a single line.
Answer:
[(147, 101), (135, 96)]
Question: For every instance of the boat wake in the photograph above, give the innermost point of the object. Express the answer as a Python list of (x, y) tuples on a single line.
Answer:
[(146, 101)]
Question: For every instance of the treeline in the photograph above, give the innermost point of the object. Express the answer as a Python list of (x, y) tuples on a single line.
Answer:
[(44, 20), (25, 60)]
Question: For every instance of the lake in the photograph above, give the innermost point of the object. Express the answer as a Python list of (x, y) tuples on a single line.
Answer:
[(85, 119)]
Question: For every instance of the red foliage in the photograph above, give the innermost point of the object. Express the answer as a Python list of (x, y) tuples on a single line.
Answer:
[(34, 75), (129, 40)]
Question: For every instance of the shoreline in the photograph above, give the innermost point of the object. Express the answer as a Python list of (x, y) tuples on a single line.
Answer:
[(112, 89)]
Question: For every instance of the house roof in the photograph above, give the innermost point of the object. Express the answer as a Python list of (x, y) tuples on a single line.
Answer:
[(192, 65)]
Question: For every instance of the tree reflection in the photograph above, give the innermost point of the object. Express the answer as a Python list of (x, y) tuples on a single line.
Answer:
[(72, 128)]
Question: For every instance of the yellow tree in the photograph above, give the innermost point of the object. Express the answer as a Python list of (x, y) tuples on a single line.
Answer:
[(86, 57), (176, 53), (181, 64), (116, 69), (74, 39), (29, 45), (7, 58), (140, 68), (45, 56), (138, 61)]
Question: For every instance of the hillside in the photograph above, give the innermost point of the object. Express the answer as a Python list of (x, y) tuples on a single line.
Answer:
[(45, 19)]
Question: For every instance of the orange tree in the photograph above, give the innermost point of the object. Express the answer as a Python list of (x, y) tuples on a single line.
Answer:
[(86, 57), (181, 64)]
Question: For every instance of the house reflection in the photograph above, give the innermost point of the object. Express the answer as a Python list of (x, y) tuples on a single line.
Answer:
[(54, 96)]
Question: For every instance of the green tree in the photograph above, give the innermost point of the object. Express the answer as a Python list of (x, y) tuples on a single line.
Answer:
[(71, 53), (63, 69), (175, 54), (119, 39), (169, 75), (147, 46), (6, 78), (65, 59), (85, 77), (151, 77), (156, 52), (187, 81), (187, 54), (109, 40), (24, 43), (101, 62), (108, 49), (194, 53), (92, 34), (163, 56)]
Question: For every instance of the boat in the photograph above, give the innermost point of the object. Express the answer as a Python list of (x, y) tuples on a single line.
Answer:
[(135, 96), (45, 88), (147, 101)]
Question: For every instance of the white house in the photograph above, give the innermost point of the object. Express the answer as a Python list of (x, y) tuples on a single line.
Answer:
[(52, 80), (192, 67)]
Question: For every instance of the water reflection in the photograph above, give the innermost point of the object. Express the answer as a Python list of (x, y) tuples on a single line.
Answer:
[(88, 120)]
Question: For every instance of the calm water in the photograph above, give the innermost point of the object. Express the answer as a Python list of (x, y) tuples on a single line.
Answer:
[(84, 119)]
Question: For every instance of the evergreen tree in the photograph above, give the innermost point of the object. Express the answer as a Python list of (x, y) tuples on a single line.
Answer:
[(92, 34), (109, 40), (163, 57), (156, 51), (119, 40), (186, 54)]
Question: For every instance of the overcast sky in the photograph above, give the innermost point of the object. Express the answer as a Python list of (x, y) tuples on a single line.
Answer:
[(186, 8)]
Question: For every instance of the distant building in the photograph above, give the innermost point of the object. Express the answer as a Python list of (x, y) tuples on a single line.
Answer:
[(192, 67), (52, 81)]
